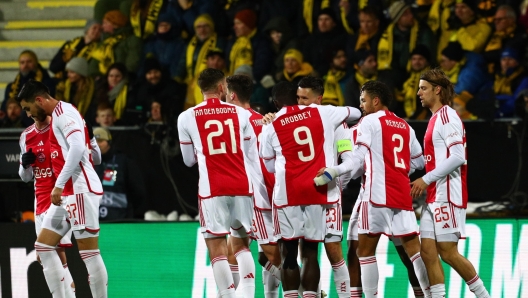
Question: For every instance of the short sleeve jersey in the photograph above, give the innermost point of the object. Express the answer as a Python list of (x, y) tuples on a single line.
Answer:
[(37, 140), (301, 140), (391, 144), (445, 129), (218, 130), (65, 122), (264, 180)]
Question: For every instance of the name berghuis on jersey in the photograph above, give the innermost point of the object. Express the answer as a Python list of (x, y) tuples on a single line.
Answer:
[(295, 118), (214, 111)]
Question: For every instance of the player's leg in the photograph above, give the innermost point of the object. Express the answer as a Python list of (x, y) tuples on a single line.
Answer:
[(429, 252), (418, 293), (334, 251), (354, 270), (315, 230), (262, 229), (233, 264), (68, 284), (270, 273)]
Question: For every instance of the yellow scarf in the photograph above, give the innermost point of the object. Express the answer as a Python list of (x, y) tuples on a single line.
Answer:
[(242, 52), (362, 41), (502, 84), (385, 46), (150, 22), (83, 96), (362, 80), (453, 73), (495, 42), (16, 84), (438, 14), (105, 52), (120, 102), (69, 49), (410, 88), (333, 94), (308, 13), (306, 69), (201, 61)]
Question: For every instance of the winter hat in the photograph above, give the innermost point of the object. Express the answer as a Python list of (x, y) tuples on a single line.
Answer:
[(362, 55), (116, 17), (89, 24), (214, 52), (329, 12), (472, 4), (423, 51), (295, 54), (204, 18), (511, 53), (101, 133), (396, 10), (248, 17), (454, 51), (78, 65), (152, 63), (245, 69)]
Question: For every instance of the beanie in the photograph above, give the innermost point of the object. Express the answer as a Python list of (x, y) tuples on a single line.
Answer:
[(101, 133), (78, 65), (248, 17), (89, 24), (423, 51), (152, 63), (116, 17), (361, 55), (204, 18), (511, 53), (396, 10), (472, 4), (245, 69), (453, 51), (295, 54), (329, 12)]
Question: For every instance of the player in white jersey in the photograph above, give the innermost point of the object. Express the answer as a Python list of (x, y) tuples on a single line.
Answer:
[(444, 215), (239, 89), (386, 146), (219, 137), (76, 183)]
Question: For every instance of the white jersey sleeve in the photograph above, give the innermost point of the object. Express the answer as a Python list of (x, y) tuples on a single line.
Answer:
[(186, 144), (417, 159), (73, 133), (96, 152), (266, 150)]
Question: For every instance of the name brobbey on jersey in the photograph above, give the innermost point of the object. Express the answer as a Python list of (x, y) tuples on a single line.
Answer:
[(42, 172)]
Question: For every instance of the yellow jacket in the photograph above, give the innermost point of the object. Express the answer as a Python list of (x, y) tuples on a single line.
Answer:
[(473, 37)]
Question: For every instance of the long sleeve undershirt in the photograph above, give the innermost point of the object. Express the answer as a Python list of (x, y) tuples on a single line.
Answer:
[(456, 159), (75, 153)]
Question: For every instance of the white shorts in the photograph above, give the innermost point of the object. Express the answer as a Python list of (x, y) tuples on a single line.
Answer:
[(352, 233), (83, 212), (262, 227), (220, 216), (55, 212), (334, 223), (296, 222), (443, 222), (376, 220)]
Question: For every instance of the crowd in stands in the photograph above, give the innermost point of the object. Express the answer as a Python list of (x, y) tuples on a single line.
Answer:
[(138, 60)]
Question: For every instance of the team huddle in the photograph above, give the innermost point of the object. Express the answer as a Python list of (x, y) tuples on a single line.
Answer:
[(277, 179)]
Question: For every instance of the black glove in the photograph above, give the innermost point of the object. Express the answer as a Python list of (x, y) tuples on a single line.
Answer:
[(28, 158), (90, 130)]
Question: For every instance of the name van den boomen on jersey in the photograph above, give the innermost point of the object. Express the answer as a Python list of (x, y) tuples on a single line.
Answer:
[(214, 111), (295, 118)]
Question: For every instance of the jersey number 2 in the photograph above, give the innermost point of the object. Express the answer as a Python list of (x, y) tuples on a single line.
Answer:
[(219, 131), (398, 162)]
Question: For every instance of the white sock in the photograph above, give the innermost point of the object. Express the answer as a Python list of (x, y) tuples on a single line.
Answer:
[(271, 284), (97, 275), (418, 293), (318, 293), (69, 291), (273, 270), (341, 279), (52, 268), (309, 294), (223, 277), (235, 274), (246, 267), (356, 292), (369, 276), (477, 287), (438, 291), (421, 274), (291, 294)]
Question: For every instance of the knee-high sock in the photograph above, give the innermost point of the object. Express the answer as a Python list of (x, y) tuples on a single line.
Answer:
[(438, 291), (53, 270), (246, 267), (223, 277), (271, 284), (421, 273), (97, 275), (369, 276), (235, 273), (341, 279), (477, 287), (356, 292), (418, 293), (273, 270), (68, 280)]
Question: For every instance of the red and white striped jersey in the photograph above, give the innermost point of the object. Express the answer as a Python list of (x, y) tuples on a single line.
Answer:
[(65, 122), (263, 180), (38, 141), (301, 140), (218, 131), (445, 129), (391, 145)]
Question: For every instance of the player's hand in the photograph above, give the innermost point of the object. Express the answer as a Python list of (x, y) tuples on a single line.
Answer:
[(268, 118), (28, 158), (56, 196), (417, 187), (324, 176)]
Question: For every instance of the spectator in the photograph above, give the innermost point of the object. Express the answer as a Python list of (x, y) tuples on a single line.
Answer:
[(101, 7), (510, 83), (105, 115), (523, 16), (398, 41), (185, 12), (311, 10), (249, 48), (156, 114), (369, 33), (469, 29), (13, 118), (78, 87), (366, 70), (81, 46), (295, 68), (328, 35), (166, 45), (467, 71), (124, 192), (113, 90), (506, 34), (409, 105), (216, 59), (281, 39), (118, 45), (280, 9), (440, 16), (144, 16), (336, 80)]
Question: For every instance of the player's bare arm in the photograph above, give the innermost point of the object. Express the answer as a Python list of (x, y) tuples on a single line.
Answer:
[(418, 186), (268, 118)]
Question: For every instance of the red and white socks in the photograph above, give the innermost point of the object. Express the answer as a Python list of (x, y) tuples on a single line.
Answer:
[(369, 276), (273, 270), (235, 273), (69, 291), (356, 292), (223, 277), (246, 267), (52, 268), (477, 287), (341, 279), (438, 291), (271, 284), (421, 274), (97, 275), (418, 293)]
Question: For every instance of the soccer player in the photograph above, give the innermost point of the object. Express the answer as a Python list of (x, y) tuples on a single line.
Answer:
[(386, 146), (76, 183), (295, 145), (239, 88), (219, 137), (444, 215)]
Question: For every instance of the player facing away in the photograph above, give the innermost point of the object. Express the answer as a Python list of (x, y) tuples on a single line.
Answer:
[(310, 91), (444, 215), (76, 183), (294, 146), (219, 137), (239, 89), (386, 146)]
